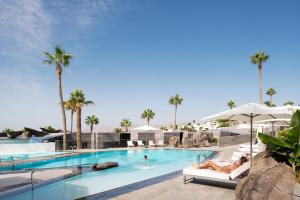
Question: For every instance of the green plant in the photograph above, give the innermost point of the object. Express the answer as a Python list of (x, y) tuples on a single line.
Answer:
[(212, 140), (223, 122), (118, 130), (289, 103), (91, 121), (148, 114), (125, 123), (257, 59), (60, 59), (175, 100), (231, 104), (287, 143), (163, 128), (49, 128), (8, 132), (268, 103), (78, 97), (271, 92)]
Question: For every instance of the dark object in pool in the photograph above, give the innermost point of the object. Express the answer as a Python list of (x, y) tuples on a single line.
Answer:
[(103, 166)]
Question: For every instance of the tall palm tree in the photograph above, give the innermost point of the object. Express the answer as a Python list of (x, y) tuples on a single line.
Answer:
[(70, 104), (175, 100), (271, 92), (78, 96), (231, 104), (289, 103), (91, 121), (258, 59), (60, 59), (125, 123), (147, 114)]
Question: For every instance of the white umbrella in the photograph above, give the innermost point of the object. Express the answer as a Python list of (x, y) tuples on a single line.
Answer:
[(280, 122), (248, 112)]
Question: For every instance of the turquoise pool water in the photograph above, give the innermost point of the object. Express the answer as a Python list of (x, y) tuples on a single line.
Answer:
[(133, 168), (23, 156)]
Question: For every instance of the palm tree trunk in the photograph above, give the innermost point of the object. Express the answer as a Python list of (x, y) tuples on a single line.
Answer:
[(72, 113), (175, 113), (92, 137), (260, 83), (148, 120), (126, 129), (61, 101), (78, 128), (271, 100)]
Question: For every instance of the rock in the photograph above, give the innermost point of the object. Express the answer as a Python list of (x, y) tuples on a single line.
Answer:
[(267, 180), (102, 166), (174, 141), (200, 139), (187, 142)]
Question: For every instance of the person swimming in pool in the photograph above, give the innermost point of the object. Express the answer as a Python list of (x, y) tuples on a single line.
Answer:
[(225, 169), (145, 157)]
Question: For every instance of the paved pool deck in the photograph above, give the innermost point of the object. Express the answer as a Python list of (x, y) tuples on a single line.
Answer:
[(167, 189), (175, 189)]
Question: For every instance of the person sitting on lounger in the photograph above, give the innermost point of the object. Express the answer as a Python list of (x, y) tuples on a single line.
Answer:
[(225, 169)]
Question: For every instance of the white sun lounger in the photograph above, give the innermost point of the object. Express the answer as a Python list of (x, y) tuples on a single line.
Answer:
[(214, 177), (140, 143), (130, 144), (160, 143), (151, 143)]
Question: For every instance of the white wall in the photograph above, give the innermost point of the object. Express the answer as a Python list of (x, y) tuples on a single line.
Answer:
[(27, 148)]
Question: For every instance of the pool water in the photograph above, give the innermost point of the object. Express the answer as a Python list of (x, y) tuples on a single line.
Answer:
[(133, 168)]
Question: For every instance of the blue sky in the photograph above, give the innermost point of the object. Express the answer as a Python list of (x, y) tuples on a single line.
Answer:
[(133, 55)]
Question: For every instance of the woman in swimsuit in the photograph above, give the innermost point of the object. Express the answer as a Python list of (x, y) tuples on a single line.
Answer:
[(225, 169)]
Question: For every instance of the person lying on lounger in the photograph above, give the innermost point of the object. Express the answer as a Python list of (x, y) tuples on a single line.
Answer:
[(225, 169)]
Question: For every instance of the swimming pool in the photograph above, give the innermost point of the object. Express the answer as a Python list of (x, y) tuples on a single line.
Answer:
[(133, 168)]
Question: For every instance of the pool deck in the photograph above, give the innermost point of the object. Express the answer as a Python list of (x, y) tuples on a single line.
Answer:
[(175, 189), (167, 189)]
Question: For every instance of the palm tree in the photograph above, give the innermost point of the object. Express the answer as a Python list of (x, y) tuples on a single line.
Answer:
[(91, 121), (231, 104), (125, 123), (268, 103), (60, 59), (70, 105), (78, 96), (271, 92), (175, 100), (118, 130), (148, 114), (258, 59), (163, 128), (288, 103)]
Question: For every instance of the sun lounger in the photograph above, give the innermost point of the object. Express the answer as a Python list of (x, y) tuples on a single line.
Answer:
[(209, 176), (140, 143), (160, 143), (151, 143), (130, 144)]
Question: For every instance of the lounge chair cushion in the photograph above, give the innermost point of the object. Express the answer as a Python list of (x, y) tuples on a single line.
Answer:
[(240, 170), (191, 171)]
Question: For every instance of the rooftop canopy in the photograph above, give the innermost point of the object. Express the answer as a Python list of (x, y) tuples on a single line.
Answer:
[(146, 128)]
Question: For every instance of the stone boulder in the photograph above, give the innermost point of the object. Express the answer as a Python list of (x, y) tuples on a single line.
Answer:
[(174, 141), (103, 166), (200, 139), (267, 180), (187, 142)]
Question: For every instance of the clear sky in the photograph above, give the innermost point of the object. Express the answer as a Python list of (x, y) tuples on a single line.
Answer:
[(133, 55)]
